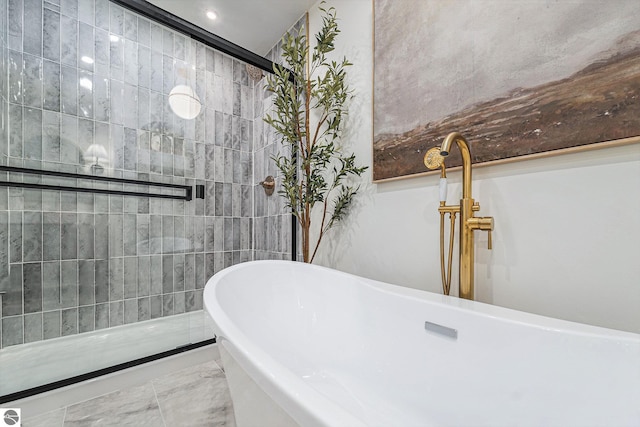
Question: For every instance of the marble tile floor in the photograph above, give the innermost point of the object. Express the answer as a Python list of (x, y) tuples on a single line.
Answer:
[(194, 396)]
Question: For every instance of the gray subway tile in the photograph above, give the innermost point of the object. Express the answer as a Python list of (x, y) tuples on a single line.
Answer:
[(210, 263), (68, 136), (69, 325), (117, 146), (189, 301), (33, 327), (86, 226), (131, 62), (86, 319), (51, 321), (116, 279), (167, 274), (101, 240), (12, 331), (219, 241), (142, 235), (69, 283), (130, 26), (155, 279), (102, 14), (101, 98), (117, 20), (209, 235), (51, 35), (69, 8), (86, 282), (32, 236), (130, 311), (116, 59), (32, 27), (168, 245), (200, 271), (85, 94), (144, 265), (15, 131), (144, 31), (228, 234), (32, 81), (130, 146), (68, 201), (51, 286), (68, 41), (144, 309), (15, 24), (116, 313), (102, 46), (179, 303), (13, 299), (51, 136), (178, 273), (51, 86), (130, 277), (167, 305), (86, 46), (32, 285), (86, 11), (190, 271), (155, 303), (129, 235), (69, 91), (102, 316), (69, 236), (15, 236), (101, 281), (85, 202), (115, 235)]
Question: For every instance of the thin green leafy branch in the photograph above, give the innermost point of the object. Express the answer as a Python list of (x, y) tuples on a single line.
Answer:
[(314, 171)]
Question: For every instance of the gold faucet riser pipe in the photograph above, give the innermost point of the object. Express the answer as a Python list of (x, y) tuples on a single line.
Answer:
[(466, 289)]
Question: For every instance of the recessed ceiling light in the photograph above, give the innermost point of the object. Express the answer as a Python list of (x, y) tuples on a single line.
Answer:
[(87, 59), (211, 14)]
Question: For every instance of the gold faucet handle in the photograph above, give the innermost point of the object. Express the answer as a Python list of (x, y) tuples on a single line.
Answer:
[(483, 223), (486, 223)]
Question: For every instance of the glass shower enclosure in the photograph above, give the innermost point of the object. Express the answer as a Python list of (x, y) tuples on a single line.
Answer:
[(114, 211)]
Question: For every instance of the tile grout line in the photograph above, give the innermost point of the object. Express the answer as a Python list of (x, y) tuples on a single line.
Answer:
[(155, 394), (64, 417)]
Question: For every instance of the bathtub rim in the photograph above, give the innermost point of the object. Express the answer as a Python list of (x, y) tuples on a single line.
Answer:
[(308, 406)]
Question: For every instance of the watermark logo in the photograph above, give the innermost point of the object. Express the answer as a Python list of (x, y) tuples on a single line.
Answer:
[(10, 417)]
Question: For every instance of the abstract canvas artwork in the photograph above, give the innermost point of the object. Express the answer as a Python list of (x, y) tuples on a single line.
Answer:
[(515, 78)]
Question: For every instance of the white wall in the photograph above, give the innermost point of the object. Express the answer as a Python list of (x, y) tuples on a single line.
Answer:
[(567, 228)]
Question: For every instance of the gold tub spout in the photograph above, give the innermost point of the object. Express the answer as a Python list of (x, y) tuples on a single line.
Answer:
[(468, 223)]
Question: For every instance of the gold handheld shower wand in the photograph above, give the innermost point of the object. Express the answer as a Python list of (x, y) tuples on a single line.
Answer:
[(434, 160)]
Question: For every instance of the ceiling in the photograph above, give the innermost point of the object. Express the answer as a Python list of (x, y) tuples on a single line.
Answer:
[(256, 25)]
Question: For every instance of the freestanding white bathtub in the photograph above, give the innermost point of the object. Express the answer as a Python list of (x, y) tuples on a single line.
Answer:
[(305, 345)]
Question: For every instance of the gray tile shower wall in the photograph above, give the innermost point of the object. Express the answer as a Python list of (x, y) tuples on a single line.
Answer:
[(272, 228), (87, 83)]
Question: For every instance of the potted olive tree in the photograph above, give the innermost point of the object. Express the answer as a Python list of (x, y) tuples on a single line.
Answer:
[(310, 96)]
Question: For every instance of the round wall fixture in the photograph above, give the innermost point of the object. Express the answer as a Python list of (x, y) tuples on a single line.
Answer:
[(184, 102)]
